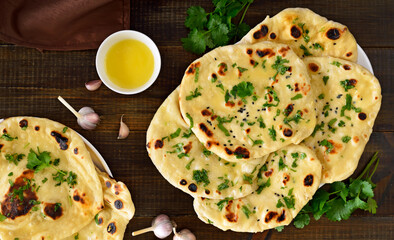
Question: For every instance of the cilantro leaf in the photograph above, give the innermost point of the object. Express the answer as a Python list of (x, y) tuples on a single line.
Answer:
[(201, 176), (301, 220), (38, 162), (195, 42), (196, 17), (219, 36), (337, 210), (243, 89)]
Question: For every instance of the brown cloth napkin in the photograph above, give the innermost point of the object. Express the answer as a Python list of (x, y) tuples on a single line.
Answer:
[(62, 24)]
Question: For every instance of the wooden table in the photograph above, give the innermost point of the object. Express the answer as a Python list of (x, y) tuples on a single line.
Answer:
[(30, 82)]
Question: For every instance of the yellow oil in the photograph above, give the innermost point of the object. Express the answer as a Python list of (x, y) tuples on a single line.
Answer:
[(129, 64)]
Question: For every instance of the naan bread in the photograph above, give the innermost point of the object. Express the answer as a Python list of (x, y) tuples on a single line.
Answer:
[(348, 100), (307, 33), (287, 182), (111, 222), (247, 101), (44, 210), (184, 162)]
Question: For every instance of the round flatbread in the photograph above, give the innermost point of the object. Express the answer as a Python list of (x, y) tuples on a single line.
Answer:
[(287, 182), (49, 188), (307, 33), (348, 101), (185, 163), (111, 222), (248, 100)]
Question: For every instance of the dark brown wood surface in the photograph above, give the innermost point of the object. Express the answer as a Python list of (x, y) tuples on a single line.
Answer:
[(30, 82)]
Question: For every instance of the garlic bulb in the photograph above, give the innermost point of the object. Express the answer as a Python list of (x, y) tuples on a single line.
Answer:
[(86, 117), (184, 234), (161, 226), (123, 130), (93, 85)]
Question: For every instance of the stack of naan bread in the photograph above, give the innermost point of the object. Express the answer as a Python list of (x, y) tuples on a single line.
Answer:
[(53, 190), (256, 127)]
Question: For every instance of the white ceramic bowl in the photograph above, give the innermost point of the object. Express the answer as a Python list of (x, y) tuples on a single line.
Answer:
[(119, 36)]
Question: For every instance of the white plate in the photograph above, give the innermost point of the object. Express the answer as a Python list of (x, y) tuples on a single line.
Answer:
[(97, 159), (363, 59)]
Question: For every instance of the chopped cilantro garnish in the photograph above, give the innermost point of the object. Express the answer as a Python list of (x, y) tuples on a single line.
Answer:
[(14, 158), (197, 74), (304, 32), (306, 51), (296, 118), (282, 165), (298, 96), (248, 178), (271, 92), (263, 185), (175, 134), (325, 79), (272, 132), (201, 176), (346, 139), (222, 120), (279, 204), (189, 164), (318, 127), (194, 94), (261, 122), (321, 96), (317, 46), (65, 129), (241, 69), (346, 84), (191, 123), (336, 63), (242, 90), (279, 66), (246, 211), (221, 203), (327, 144), (223, 185), (7, 137)]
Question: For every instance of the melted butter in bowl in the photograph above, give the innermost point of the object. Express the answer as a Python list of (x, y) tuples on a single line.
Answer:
[(128, 62)]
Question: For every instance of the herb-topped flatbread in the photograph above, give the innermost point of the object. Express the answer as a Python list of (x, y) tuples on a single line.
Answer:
[(49, 188), (307, 33), (348, 101), (286, 183), (247, 101), (111, 222), (188, 165)]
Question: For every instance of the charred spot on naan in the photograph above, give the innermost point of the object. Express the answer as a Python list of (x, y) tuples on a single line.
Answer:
[(62, 141), (269, 216), (336, 147), (286, 178), (265, 52), (222, 69), (289, 109), (283, 51), (206, 112), (210, 143), (287, 132), (75, 150), (100, 220), (252, 62), (53, 210), (269, 172), (349, 54), (12, 206), (333, 33), (346, 67), (207, 191), (183, 182), (187, 147), (313, 67), (205, 130), (242, 152), (192, 68), (108, 184), (192, 187), (37, 128), (281, 217), (230, 104), (79, 198), (249, 51), (272, 36), (159, 144), (362, 116), (295, 32), (23, 124), (261, 33), (111, 228), (308, 180), (118, 204)]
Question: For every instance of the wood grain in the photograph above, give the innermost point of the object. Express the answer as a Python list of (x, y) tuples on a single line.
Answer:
[(30, 82)]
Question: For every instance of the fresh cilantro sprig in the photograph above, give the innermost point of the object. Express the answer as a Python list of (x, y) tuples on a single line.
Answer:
[(210, 30), (342, 198)]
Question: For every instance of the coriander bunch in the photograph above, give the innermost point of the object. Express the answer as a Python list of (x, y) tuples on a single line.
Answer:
[(210, 30)]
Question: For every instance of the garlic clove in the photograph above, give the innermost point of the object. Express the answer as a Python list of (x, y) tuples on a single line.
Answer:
[(93, 85), (184, 234), (89, 119), (161, 226), (123, 130)]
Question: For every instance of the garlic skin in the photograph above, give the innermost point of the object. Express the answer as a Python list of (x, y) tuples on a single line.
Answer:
[(162, 226), (89, 119), (184, 234), (93, 85), (123, 130)]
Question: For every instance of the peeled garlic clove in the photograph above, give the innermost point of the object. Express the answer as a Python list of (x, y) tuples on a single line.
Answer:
[(93, 85), (123, 130), (89, 119), (184, 234)]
